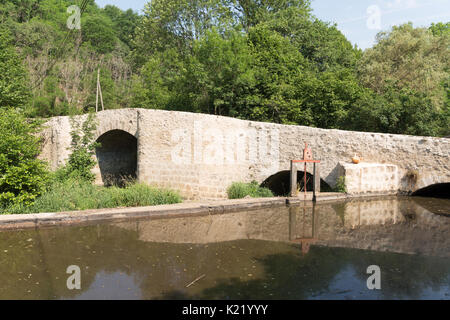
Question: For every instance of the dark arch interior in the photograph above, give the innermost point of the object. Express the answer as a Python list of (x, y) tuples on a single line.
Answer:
[(279, 183), (117, 157), (439, 190)]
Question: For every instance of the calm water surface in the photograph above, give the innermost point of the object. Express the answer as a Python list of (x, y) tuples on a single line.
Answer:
[(280, 253)]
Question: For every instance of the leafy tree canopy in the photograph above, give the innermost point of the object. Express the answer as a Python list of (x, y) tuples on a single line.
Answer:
[(408, 57), (22, 176), (14, 88)]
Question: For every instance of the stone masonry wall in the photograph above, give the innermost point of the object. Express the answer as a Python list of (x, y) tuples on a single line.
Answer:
[(201, 155)]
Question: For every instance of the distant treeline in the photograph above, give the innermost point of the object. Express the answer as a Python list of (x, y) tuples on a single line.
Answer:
[(268, 60)]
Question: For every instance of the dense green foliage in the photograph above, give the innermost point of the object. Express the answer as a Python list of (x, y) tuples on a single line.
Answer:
[(22, 176), (13, 78), (74, 194), (239, 190), (61, 63), (268, 60), (275, 62)]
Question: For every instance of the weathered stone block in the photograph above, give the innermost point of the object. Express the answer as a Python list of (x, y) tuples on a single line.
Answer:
[(370, 177)]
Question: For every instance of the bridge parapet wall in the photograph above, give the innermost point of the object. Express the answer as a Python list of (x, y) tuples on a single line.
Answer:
[(201, 155)]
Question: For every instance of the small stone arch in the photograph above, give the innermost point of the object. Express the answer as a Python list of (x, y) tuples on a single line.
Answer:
[(426, 179), (279, 183), (117, 157), (436, 190), (106, 127)]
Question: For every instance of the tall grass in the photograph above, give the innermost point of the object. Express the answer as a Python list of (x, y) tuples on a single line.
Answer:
[(81, 195), (239, 190)]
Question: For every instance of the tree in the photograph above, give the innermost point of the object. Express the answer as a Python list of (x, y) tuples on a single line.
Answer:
[(175, 24), (402, 111), (98, 31), (22, 176), (14, 87), (257, 64), (219, 74), (157, 82), (407, 57), (250, 12), (440, 29), (279, 69), (124, 23), (22, 10)]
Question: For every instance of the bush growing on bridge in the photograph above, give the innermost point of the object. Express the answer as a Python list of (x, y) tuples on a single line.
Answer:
[(239, 190), (81, 160), (340, 186)]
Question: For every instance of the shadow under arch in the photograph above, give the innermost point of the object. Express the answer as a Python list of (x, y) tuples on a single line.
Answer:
[(117, 157), (437, 190), (279, 183)]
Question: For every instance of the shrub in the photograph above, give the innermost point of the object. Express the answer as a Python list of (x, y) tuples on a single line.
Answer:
[(340, 185), (239, 190), (22, 176), (81, 160)]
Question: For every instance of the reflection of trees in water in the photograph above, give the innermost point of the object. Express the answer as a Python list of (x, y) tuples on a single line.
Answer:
[(403, 276), (236, 269), (163, 270), (286, 276), (290, 276), (158, 267), (35, 266)]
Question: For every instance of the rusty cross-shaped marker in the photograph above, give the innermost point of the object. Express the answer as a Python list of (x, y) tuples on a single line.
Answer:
[(307, 157)]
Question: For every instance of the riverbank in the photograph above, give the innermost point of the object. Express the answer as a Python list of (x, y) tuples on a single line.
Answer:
[(38, 220)]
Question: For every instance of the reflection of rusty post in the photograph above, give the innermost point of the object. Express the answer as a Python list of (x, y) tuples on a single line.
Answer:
[(313, 218), (293, 192), (304, 241), (316, 180)]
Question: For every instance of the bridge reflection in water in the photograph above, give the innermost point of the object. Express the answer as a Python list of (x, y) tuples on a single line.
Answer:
[(279, 253), (404, 226)]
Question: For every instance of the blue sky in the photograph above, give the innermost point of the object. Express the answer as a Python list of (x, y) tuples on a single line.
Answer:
[(359, 20)]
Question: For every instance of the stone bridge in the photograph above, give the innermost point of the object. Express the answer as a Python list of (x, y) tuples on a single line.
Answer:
[(201, 155)]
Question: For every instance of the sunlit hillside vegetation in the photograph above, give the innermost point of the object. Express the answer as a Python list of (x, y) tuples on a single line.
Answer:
[(260, 60)]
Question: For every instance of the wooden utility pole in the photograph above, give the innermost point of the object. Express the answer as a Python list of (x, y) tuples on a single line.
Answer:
[(99, 90), (96, 95)]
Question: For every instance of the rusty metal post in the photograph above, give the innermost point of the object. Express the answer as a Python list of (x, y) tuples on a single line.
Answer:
[(307, 157), (293, 192), (316, 180)]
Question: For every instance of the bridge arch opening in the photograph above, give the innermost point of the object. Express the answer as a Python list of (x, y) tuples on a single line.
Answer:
[(438, 190), (280, 183), (117, 157)]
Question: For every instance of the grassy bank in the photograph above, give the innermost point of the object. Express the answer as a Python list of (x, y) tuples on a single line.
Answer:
[(239, 190), (78, 195)]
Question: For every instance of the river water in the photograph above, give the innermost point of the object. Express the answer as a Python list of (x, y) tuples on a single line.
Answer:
[(319, 252)]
